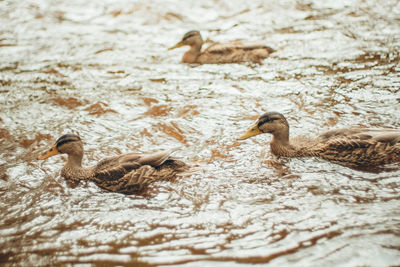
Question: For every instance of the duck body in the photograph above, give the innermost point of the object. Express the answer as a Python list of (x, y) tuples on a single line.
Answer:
[(347, 146), (219, 53), (128, 173), (359, 146)]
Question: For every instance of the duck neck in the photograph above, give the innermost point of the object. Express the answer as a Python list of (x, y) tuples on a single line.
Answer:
[(192, 54), (75, 161), (73, 168), (281, 146)]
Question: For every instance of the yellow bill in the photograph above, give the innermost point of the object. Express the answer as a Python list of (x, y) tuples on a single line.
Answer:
[(177, 45), (49, 153), (252, 131)]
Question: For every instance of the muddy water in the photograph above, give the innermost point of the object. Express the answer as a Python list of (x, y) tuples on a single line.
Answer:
[(102, 69)]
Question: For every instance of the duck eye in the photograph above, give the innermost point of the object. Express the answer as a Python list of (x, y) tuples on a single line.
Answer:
[(262, 122)]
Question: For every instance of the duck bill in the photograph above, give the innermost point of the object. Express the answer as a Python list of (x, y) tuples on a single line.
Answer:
[(49, 153), (252, 131), (177, 45)]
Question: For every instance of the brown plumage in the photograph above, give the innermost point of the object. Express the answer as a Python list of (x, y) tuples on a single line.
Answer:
[(129, 173), (231, 52), (348, 146)]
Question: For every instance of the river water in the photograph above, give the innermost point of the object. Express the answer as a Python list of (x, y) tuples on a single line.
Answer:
[(102, 69)]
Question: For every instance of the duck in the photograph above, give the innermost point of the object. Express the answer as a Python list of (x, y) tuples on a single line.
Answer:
[(129, 173), (218, 53), (353, 147)]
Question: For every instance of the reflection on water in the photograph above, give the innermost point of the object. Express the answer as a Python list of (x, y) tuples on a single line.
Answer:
[(102, 69)]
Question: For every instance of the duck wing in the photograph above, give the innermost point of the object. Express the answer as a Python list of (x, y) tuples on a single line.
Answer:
[(229, 47), (155, 159), (234, 52), (116, 167), (359, 146), (381, 135), (137, 180), (131, 173), (390, 136)]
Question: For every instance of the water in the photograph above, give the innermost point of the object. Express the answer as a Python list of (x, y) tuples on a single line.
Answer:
[(102, 69)]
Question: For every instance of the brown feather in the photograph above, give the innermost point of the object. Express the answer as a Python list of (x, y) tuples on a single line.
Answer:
[(128, 173), (347, 146), (230, 52)]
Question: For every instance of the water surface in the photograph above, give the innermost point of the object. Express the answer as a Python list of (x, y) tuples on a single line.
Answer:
[(102, 69)]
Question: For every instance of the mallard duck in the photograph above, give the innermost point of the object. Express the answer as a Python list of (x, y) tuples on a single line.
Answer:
[(231, 52), (348, 146), (128, 173)]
